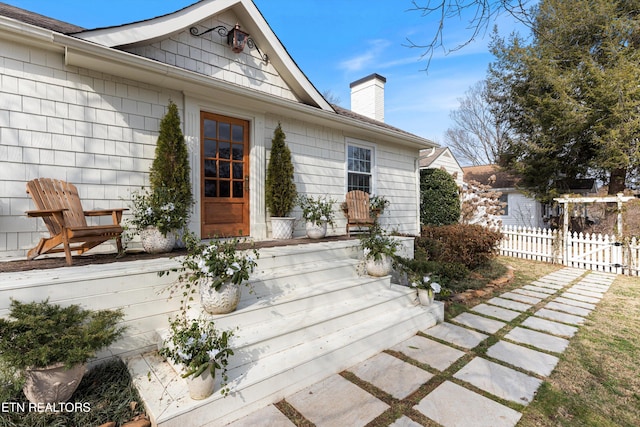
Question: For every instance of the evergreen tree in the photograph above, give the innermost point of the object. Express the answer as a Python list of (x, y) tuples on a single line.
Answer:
[(280, 189), (571, 95), (170, 169)]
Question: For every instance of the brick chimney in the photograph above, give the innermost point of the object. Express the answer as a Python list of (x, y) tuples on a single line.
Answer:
[(367, 96)]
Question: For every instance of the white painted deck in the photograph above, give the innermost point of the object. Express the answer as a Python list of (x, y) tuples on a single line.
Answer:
[(311, 315)]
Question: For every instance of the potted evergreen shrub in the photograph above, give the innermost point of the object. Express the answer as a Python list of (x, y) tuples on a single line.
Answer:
[(51, 345), (170, 183), (280, 189)]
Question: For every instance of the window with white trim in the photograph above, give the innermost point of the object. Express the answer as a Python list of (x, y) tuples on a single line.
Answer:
[(360, 168)]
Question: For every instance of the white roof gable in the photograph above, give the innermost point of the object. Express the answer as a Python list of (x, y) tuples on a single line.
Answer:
[(253, 22)]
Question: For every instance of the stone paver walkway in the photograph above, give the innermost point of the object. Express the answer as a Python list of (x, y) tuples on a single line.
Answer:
[(511, 370)]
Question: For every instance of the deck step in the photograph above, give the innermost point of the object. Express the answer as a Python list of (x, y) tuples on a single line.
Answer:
[(311, 315)]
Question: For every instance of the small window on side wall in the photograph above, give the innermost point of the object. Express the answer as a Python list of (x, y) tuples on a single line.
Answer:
[(504, 199), (360, 167)]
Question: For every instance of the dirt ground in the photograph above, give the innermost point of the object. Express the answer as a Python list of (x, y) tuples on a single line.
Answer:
[(92, 259)]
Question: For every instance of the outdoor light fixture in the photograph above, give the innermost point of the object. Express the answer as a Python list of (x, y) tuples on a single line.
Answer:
[(236, 38)]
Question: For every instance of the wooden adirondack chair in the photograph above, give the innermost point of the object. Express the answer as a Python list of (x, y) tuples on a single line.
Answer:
[(357, 210), (58, 204)]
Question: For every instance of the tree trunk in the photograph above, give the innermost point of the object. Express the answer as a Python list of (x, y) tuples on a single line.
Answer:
[(617, 181)]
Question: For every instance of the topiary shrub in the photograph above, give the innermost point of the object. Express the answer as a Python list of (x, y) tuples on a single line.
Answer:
[(280, 189), (439, 198), (170, 170), (468, 244)]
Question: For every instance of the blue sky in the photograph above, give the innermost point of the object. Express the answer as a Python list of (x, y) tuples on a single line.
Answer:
[(336, 42)]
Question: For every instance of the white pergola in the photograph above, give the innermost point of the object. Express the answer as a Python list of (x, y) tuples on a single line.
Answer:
[(619, 199)]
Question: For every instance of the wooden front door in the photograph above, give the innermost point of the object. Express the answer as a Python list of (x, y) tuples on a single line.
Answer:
[(224, 179)]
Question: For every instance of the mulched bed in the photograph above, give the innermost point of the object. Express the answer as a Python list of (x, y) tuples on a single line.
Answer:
[(89, 259)]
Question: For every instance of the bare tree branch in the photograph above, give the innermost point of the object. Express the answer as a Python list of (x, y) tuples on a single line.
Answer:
[(482, 14)]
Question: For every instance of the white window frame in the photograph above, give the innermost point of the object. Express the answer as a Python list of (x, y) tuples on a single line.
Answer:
[(350, 142)]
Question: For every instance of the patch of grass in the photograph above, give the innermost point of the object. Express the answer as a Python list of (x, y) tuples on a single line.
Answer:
[(597, 382), (479, 277), (106, 392)]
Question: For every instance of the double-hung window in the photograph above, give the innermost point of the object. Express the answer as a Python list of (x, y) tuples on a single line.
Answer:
[(360, 168)]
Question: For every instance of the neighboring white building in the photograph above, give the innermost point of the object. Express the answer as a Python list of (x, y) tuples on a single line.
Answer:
[(519, 210), (442, 158), (85, 106), (522, 210)]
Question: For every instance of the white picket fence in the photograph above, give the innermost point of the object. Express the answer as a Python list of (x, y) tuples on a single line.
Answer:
[(588, 251)]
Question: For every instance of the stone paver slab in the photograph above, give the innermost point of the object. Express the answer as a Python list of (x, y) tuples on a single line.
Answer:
[(391, 375), (579, 297), (592, 287), (540, 295), (499, 380), (452, 405), (554, 328), (457, 335), (405, 421), (531, 360), (432, 353), (576, 303), (549, 285), (336, 401), (582, 291), (497, 312), (571, 319), (538, 339), (269, 416), (598, 291), (571, 309), (480, 323), (518, 296), (542, 289), (511, 305)]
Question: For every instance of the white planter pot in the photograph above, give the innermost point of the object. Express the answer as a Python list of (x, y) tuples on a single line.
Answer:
[(316, 231), (425, 296), (154, 242), (282, 227), (224, 300), (379, 268), (53, 383), (201, 386)]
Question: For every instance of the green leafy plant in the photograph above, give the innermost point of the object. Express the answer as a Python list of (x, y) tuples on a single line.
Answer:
[(377, 243), (157, 209), (317, 210), (377, 205), (197, 345), (280, 188), (40, 334)]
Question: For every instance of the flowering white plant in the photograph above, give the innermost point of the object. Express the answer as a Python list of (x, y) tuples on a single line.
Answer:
[(316, 210), (197, 345), (427, 283), (217, 262), (157, 209), (377, 243)]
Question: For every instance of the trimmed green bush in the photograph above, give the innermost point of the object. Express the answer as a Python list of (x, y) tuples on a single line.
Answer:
[(280, 190), (469, 244), (170, 170), (439, 198)]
